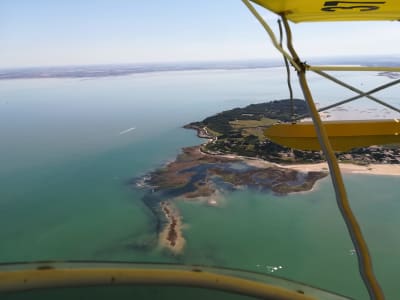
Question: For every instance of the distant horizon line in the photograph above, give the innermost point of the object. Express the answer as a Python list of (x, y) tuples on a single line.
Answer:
[(123, 69), (200, 62)]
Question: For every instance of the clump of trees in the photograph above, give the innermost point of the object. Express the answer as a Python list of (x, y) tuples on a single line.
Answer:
[(278, 109)]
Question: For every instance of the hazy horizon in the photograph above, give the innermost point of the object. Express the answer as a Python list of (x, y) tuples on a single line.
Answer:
[(209, 61)]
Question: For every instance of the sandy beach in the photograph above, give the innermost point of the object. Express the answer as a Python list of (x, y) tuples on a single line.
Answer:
[(372, 169)]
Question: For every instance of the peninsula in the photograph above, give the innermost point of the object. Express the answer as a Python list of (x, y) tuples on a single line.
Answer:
[(236, 156)]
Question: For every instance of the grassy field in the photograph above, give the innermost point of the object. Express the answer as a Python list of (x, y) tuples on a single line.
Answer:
[(212, 132), (264, 122), (254, 127)]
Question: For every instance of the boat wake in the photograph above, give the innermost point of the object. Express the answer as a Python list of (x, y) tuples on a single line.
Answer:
[(127, 130)]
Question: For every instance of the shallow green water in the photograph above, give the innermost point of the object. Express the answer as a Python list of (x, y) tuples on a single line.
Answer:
[(65, 173), (303, 233)]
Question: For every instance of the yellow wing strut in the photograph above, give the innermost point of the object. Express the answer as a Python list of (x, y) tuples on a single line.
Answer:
[(364, 259)]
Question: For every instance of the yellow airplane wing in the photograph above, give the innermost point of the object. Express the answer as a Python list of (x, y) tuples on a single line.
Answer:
[(320, 10), (343, 135)]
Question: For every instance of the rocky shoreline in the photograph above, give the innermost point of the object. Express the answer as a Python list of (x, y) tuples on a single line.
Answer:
[(194, 174), (198, 176)]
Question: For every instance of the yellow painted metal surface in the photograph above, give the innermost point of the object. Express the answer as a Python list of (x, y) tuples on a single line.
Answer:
[(31, 276), (343, 135), (321, 10), (54, 278)]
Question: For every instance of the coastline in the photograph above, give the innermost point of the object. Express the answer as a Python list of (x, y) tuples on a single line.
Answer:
[(347, 168), (171, 236)]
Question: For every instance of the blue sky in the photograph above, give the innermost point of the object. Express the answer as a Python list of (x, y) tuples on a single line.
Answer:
[(74, 32)]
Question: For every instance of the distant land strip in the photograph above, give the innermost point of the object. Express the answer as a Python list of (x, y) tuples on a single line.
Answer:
[(93, 71)]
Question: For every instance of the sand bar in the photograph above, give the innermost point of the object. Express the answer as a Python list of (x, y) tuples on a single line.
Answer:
[(171, 236)]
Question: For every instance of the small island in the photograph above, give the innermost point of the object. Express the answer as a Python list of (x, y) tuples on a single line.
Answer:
[(236, 155)]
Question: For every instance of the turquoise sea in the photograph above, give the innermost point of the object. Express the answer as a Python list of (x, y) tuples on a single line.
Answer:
[(67, 160)]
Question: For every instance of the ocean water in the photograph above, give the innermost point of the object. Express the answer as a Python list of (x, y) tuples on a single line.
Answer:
[(67, 162)]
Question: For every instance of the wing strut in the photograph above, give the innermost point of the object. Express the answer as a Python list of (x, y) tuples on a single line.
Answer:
[(359, 92), (364, 258), (289, 84)]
